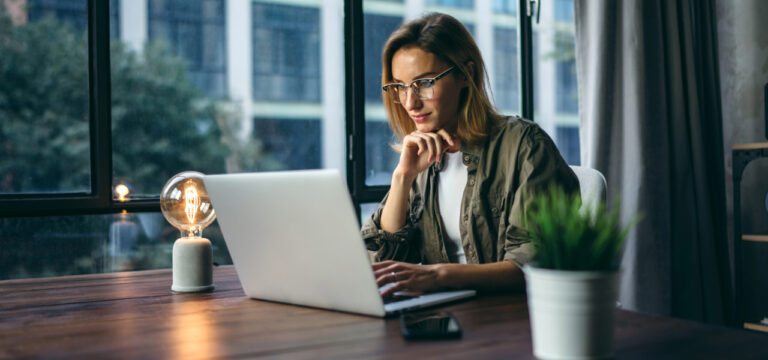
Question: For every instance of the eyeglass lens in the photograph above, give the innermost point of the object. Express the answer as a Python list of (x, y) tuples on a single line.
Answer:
[(422, 88)]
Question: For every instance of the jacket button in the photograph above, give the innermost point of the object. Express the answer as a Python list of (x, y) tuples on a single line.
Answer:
[(467, 160)]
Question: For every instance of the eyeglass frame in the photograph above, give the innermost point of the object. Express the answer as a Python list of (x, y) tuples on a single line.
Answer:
[(433, 80)]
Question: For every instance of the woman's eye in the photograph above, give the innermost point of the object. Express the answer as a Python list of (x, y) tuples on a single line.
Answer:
[(424, 83)]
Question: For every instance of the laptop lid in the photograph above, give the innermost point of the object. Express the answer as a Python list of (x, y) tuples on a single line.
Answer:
[(294, 238)]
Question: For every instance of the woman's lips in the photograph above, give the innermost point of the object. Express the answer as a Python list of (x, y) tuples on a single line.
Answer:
[(420, 118)]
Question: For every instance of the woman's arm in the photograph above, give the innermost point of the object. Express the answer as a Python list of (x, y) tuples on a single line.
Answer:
[(418, 152), (498, 276)]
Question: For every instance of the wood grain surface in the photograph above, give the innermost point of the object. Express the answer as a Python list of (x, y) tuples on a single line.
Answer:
[(134, 315)]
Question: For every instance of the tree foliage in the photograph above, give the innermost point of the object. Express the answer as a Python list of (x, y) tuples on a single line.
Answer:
[(161, 123)]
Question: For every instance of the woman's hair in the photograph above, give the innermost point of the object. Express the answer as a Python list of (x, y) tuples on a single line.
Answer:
[(446, 38)]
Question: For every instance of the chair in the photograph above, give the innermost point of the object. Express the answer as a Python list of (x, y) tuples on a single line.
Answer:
[(592, 186)]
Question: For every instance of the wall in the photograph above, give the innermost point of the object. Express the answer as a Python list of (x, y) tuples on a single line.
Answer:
[(743, 54)]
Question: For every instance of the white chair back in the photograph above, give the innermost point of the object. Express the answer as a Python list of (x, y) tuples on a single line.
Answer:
[(593, 187)]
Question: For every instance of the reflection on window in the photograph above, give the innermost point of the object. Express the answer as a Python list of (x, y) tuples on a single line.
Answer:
[(71, 245), (195, 31), (506, 80), (286, 53)]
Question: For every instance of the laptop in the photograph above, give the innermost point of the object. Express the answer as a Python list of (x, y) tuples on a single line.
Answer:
[(294, 238)]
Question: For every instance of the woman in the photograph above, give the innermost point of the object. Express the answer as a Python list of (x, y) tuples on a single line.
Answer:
[(453, 217)]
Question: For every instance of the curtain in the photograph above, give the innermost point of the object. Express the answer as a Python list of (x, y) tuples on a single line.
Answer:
[(649, 110)]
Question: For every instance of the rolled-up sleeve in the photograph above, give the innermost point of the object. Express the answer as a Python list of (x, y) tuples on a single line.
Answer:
[(540, 164), (401, 245)]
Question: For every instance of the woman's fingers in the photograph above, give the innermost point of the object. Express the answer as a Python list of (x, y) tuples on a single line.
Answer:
[(435, 144), (399, 286), (448, 138), (382, 264), (393, 267)]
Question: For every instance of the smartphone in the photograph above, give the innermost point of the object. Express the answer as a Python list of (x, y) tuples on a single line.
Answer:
[(435, 325)]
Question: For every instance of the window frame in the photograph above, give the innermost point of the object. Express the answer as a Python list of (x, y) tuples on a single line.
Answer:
[(99, 199)]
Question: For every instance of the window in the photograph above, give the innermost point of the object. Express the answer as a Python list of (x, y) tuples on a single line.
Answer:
[(94, 94), (453, 3), (505, 6), (506, 82), (380, 158), (286, 53), (194, 29), (71, 12), (555, 84), (44, 106)]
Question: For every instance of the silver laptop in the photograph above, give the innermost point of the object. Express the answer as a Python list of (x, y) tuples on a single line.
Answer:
[(294, 238)]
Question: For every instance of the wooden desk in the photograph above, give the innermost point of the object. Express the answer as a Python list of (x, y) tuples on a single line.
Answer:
[(134, 315)]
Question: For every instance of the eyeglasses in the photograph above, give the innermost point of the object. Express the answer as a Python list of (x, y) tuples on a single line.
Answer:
[(423, 88)]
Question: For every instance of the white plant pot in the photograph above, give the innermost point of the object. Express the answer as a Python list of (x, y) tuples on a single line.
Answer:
[(571, 312)]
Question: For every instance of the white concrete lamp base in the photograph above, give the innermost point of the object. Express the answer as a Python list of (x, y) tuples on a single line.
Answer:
[(192, 265)]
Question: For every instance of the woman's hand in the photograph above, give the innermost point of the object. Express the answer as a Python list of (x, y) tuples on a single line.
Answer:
[(406, 276), (422, 149)]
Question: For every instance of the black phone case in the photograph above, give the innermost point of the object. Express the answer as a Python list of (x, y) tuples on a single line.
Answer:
[(426, 334)]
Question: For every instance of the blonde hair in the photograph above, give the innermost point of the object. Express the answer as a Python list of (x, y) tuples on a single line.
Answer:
[(446, 38)]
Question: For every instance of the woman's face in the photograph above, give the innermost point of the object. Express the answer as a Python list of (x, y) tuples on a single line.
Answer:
[(442, 110)]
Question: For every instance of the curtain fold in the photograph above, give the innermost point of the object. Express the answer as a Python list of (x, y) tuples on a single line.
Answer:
[(649, 110)]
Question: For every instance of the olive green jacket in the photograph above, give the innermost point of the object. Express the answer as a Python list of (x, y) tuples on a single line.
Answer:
[(504, 173)]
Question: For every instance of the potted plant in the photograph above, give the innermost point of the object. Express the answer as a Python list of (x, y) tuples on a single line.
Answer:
[(572, 282)]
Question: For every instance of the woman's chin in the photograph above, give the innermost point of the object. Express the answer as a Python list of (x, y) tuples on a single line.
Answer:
[(425, 128)]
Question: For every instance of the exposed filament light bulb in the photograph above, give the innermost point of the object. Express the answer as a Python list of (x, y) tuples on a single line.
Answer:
[(192, 203), (186, 205)]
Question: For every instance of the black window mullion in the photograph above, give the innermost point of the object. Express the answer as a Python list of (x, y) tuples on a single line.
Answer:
[(101, 114), (526, 60), (355, 99)]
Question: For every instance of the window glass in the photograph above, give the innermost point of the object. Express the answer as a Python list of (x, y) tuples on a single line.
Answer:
[(366, 211), (494, 27), (556, 106), (453, 3), (71, 245), (44, 106), (286, 53), (194, 29), (225, 86), (505, 6)]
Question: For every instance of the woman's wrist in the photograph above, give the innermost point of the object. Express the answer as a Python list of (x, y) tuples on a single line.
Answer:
[(443, 275), (399, 177)]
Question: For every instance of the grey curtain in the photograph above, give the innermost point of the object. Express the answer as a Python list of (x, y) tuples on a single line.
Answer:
[(649, 109)]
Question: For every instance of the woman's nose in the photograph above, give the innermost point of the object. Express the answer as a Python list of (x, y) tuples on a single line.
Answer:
[(412, 100)]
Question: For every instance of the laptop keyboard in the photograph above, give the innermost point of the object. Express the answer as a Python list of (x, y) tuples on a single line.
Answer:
[(396, 298)]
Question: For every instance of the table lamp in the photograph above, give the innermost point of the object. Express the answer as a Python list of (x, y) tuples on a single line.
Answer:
[(185, 203)]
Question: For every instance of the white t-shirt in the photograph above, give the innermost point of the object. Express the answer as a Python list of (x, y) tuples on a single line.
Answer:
[(450, 189)]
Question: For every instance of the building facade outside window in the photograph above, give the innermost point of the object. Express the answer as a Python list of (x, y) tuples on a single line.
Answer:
[(195, 30)]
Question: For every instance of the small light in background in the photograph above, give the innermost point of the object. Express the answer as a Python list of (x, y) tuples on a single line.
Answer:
[(122, 192)]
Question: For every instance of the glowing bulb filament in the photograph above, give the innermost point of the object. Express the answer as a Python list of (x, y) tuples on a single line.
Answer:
[(192, 203)]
